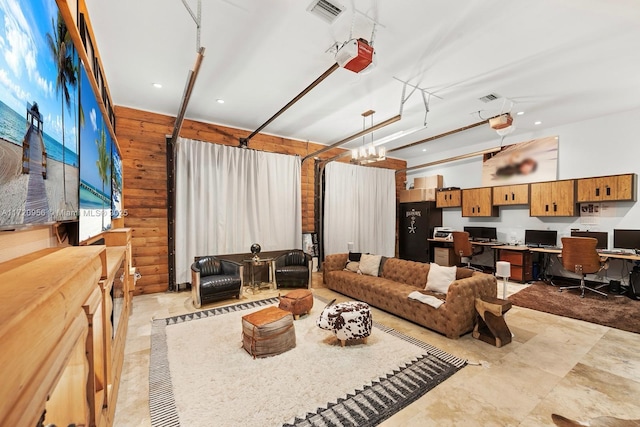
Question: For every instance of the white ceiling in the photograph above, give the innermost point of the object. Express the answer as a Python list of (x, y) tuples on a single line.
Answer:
[(558, 61)]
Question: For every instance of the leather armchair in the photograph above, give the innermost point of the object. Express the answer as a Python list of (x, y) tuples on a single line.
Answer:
[(293, 269), (214, 279)]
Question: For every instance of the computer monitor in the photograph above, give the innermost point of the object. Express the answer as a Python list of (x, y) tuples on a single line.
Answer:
[(626, 239), (482, 233), (601, 236), (541, 237), (475, 233)]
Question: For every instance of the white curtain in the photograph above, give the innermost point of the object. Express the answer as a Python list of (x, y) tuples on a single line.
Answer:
[(359, 207), (228, 198)]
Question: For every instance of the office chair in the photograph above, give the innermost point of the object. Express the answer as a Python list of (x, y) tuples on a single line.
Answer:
[(462, 246), (579, 255)]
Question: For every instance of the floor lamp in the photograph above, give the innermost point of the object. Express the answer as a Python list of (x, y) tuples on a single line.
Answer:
[(503, 269)]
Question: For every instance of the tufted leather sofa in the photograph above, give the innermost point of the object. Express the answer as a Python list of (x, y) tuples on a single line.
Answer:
[(214, 279), (401, 277), (293, 269)]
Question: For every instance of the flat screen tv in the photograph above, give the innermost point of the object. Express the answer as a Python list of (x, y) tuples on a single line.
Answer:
[(95, 165), (38, 116), (601, 236), (626, 239), (540, 237), (116, 182)]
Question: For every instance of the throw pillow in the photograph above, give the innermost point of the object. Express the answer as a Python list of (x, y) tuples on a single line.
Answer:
[(370, 264), (354, 256), (352, 266), (439, 278)]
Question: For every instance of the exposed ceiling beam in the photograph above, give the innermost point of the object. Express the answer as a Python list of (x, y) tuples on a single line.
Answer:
[(442, 135), (335, 66), (191, 81), (451, 159), (354, 136)]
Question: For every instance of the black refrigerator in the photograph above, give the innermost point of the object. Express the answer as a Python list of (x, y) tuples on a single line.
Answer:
[(416, 223)]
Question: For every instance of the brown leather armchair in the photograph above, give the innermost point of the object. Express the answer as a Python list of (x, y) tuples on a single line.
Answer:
[(293, 269), (214, 279)]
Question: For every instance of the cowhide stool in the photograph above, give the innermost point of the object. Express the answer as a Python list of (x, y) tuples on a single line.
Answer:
[(297, 302), (347, 320)]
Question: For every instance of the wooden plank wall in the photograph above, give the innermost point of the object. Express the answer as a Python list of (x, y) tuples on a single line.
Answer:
[(141, 137)]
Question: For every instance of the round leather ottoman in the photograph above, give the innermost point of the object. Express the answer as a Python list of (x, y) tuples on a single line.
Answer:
[(297, 302)]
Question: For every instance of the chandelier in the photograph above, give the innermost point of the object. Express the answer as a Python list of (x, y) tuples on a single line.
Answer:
[(368, 153)]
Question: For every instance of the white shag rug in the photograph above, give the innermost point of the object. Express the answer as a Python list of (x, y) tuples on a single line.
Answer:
[(214, 381)]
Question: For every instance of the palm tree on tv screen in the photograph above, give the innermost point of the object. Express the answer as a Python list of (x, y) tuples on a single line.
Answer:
[(103, 163), (61, 48)]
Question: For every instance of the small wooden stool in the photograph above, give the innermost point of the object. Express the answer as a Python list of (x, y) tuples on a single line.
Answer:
[(490, 325)]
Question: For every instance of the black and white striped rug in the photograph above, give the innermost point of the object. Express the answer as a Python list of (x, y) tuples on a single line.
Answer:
[(367, 405)]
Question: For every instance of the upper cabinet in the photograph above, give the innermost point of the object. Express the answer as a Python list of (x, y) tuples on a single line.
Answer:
[(607, 188), (448, 199), (478, 202), (511, 195), (554, 198)]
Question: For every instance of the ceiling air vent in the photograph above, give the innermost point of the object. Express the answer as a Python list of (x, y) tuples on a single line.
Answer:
[(326, 10), (490, 97)]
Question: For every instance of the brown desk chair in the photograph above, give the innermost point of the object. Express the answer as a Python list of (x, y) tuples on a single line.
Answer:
[(579, 255), (463, 248)]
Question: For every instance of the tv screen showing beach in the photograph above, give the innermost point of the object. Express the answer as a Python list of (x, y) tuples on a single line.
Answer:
[(38, 115), (116, 183), (95, 165)]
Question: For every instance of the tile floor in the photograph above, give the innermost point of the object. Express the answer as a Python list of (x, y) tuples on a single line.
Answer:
[(553, 365)]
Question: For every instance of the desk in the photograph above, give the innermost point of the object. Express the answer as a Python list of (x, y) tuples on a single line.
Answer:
[(557, 251), (547, 261), (520, 259), (445, 243), (548, 252)]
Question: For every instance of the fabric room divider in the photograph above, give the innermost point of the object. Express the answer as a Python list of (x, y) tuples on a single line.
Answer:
[(228, 198), (359, 207)]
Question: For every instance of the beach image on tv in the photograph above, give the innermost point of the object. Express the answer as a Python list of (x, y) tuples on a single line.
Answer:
[(95, 165), (38, 115), (116, 183)]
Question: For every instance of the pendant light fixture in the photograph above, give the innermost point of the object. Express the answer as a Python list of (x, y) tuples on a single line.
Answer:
[(367, 153)]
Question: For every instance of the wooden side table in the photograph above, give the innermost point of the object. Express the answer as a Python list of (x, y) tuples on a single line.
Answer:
[(490, 325)]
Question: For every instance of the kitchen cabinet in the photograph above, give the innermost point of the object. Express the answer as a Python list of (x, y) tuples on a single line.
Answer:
[(607, 188), (553, 198), (507, 195), (449, 199), (478, 202)]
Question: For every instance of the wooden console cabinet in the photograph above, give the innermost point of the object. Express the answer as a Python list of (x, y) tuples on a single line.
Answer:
[(61, 360), (44, 332)]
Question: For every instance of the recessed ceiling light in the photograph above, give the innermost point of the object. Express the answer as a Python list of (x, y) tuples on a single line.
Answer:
[(424, 149), (537, 123), (220, 101), (519, 113), (157, 85)]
